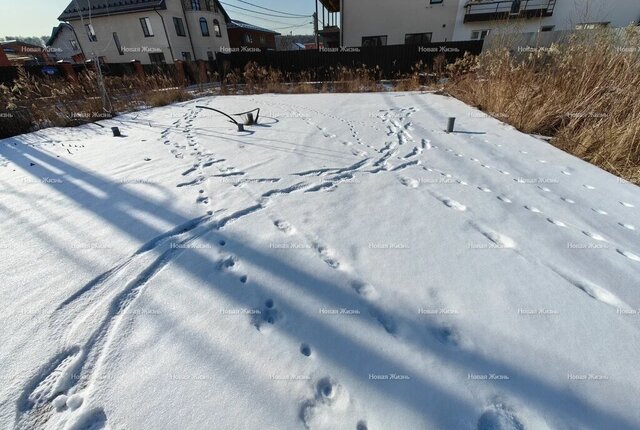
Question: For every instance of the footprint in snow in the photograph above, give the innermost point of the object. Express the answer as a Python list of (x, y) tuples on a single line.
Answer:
[(504, 199), (499, 417), (629, 255), (318, 411), (409, 182), (484, 189), (284, 226), (627, 205), (627, 226), (556, 222), (594, 236), (600, 211), (305, 350), (567, 200), (589, 187), (533, 209), (268, 316), (454, 205), (365, 290)]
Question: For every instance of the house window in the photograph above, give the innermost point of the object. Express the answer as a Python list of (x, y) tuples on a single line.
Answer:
[(179, 25), (263, 40), (591, 25), (374, 41), (436, 2), (157, 58), (204, 27), (246, 38), (119, 46), (207, 4), (215, 7), (479, 34), (216, 28), (74, 44), (195, 4), (417, 38), (186, 56), (210, 56), (547, 28), (146, 27), (91, 33)]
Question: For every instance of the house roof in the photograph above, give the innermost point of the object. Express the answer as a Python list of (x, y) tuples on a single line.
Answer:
[(331, 5), (112, 7), (106, 7), (244, 25), (56, 31)]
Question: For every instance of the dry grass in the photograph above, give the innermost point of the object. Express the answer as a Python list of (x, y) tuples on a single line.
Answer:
[(31, 103), (583, 93)]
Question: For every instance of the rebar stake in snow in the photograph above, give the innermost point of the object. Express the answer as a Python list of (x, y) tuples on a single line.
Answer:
[(451, 124)]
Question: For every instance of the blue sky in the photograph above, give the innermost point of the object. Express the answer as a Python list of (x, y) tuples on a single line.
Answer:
[(38, 17)]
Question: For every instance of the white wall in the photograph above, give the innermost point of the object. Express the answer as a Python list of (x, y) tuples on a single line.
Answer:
[(132, 37), (397, 18), (567, 14), (62, 49)]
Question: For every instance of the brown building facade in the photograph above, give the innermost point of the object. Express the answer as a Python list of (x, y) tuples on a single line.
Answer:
[(245, 35)]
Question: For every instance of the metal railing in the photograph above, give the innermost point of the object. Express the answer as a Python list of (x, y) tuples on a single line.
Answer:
[(503, 9)]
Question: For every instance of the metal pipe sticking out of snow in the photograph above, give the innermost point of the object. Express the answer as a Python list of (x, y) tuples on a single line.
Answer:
[(451, 124), (250, 118), (116, 132)]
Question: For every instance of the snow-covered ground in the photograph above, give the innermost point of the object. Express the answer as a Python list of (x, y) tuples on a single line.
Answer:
[(344, 265)]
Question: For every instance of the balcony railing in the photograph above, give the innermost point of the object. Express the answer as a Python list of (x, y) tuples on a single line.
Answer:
[(479, 10)]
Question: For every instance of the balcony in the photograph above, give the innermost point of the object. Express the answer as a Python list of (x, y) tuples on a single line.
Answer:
[(480, 10)]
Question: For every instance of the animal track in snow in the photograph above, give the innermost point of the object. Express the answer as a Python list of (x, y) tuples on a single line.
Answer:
[(592, 290), (627, 205), (568, 200), (589, 187), (318, 411), (627, 226), (499, 417), (600, 211), (533, 209), (409, 182), (484, 189), (629, 255), (594, 236), (454, 205), (498, 239), (305, 350), (504, 199), (556, 222), (284, 226), (365, 290), (268, 316)]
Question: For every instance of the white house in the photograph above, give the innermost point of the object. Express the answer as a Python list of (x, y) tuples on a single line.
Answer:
[(63, 44), (151, 31), (384, 22)]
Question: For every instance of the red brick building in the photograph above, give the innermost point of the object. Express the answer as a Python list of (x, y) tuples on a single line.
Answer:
[(244, 35)]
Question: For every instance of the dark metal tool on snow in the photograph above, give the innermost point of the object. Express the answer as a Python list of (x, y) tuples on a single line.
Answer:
[(250, 118)]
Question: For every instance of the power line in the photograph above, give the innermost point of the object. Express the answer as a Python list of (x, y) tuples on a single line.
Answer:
[(263, 19), (273, 10), (263, 13)]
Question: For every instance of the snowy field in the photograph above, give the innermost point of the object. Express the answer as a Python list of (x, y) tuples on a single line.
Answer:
[(346, 264)]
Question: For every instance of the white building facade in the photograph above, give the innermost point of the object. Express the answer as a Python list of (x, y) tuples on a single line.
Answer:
[(383, 22), (150, 31)]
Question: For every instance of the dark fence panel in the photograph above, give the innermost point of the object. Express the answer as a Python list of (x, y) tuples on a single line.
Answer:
[(8, 74), (390, 60)]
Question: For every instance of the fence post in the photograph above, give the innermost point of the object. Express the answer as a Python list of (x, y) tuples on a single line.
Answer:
[(4, 61), (68, 70), (180, 72), (202, 72), (138, 68)]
